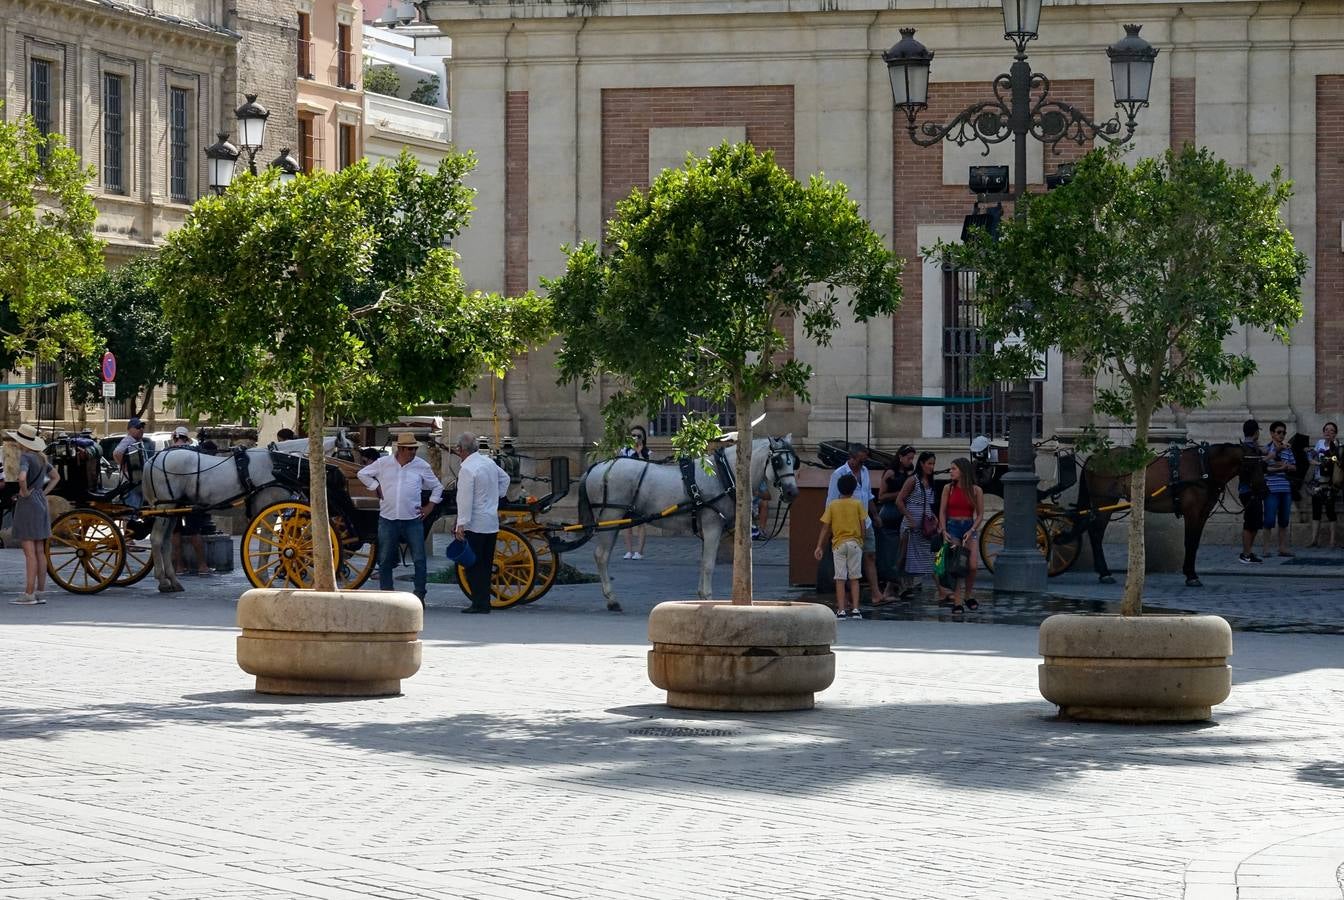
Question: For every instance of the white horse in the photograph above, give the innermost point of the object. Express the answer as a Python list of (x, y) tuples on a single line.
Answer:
[(631, 488), (183, 476)]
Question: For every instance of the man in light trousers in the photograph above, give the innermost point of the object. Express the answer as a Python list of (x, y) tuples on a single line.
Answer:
[(400, 480), (481, 484)]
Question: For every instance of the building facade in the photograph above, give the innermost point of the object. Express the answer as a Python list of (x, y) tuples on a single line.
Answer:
[(329, 68), (416, 117), (568, 106)]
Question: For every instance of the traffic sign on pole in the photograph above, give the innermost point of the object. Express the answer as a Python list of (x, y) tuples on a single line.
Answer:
[(109, 390), (109, 367)]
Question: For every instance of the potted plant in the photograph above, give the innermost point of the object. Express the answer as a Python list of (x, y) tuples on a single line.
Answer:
[(1140, 273), (703, 280), (335, 291)]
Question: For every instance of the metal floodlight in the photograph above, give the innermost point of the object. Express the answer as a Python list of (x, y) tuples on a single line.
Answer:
[(988, 179), (1131, 70), (1061, 176), (908, 63), (987, 221), (222, 156), (251, 118), (289, 166)]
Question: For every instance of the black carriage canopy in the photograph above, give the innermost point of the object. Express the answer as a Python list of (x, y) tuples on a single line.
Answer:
[(831, 451)]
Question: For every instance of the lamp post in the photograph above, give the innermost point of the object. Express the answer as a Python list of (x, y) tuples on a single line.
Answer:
[(223, 155), (1013, 113)]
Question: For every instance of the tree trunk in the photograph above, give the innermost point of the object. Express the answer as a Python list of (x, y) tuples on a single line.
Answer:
[(1132, 605), (742, 588), (324, 567)]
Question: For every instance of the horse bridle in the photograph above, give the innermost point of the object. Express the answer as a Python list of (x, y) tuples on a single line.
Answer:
[(779, 455)]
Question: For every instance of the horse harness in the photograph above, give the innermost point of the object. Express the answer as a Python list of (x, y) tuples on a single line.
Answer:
[(1175, 483)]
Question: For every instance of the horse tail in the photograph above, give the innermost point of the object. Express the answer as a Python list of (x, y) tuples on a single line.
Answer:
[(1084, 493), (586, 517)]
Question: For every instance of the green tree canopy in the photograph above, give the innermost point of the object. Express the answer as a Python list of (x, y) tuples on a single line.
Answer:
[(127, 319), (336, 290), (703, 272), (1140, 273), (46, 245)]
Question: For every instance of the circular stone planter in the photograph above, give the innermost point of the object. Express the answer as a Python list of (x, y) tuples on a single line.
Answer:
[(337, 644), (1135, 668), (771, 655)]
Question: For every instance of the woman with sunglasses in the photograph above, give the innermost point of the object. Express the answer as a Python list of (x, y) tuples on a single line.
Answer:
[(1279, 464), (638, 449)]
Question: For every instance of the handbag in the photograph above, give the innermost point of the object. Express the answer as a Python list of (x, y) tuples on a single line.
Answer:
[(929, 524)]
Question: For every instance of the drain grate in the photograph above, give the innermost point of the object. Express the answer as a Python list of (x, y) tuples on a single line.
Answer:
[(658, 731)]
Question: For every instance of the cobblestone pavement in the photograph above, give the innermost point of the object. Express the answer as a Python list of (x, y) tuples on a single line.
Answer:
[(531, 758)]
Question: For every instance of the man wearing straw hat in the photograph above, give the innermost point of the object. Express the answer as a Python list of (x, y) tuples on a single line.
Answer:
[(32, 518), (398, 480)]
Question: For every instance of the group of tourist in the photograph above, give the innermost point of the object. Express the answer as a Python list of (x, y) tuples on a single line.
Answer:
[(1270, 508), (909, 504)]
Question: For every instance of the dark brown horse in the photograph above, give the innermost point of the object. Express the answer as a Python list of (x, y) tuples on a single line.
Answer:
[(1192, 492)]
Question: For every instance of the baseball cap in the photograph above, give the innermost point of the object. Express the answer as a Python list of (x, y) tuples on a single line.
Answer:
[(136, 422), (181, 431)]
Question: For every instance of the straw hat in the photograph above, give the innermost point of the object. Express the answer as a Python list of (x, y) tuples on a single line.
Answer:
[(26, 436), (406, 439), (181, 431)]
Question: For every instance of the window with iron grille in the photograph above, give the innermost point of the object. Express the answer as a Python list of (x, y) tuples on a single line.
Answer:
[(962, 343), (347, 153), (114, 138), (668, 420), (48, 399), (179, 130), (305, 45), (39, 99), (345, 58)]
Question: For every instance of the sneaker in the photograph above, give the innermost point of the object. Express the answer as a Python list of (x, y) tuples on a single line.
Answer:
[(855, 614), (628, 555), (24, 600), (1256, 560), (38, 598), (636, 555), (839, 613), (755, 533), (1246, 559)]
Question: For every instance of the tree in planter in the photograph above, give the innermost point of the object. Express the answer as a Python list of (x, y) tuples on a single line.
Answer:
[(127, 319), (1140, 274), (46, 246), (703, 271), (335, 291)]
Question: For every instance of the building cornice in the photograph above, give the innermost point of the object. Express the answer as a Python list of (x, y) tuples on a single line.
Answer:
[(133, 18)]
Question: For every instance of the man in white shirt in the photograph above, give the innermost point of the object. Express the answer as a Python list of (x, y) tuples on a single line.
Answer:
[(858, 456), (399, 481), (481, 484)]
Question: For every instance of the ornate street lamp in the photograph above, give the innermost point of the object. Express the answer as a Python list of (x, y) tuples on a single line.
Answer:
[(1013, 113), (289, 166), (222, 157), (251, 118)]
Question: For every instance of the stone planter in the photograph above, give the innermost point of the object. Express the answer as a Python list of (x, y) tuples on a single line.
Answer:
[(772, 655), (1135, 668), (338, 644)]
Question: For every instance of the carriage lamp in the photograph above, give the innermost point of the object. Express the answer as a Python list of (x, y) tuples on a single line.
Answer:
[(1020, 104)]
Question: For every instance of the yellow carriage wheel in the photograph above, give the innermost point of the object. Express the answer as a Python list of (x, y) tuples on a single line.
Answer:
[(548, 565), (277, 549), (1063, 549), (139, 556), (991, 540), (514, 571), (85, 553), (357, 556)]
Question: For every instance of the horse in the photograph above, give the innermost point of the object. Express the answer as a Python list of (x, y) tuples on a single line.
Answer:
[(183, 476), (1196, 491), (633, 488)]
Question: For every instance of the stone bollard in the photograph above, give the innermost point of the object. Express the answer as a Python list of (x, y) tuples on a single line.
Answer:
[(329, 644)]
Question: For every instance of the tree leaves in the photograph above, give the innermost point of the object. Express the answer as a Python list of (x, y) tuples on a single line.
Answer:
[(702, 273), (46, 245)]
